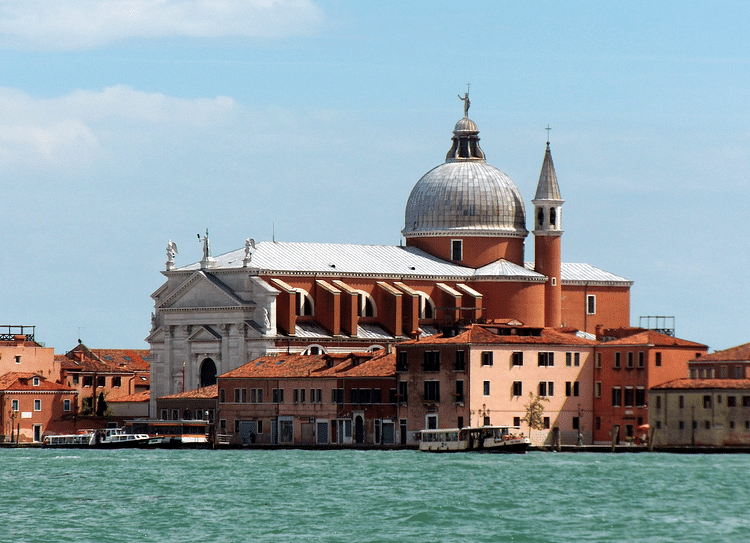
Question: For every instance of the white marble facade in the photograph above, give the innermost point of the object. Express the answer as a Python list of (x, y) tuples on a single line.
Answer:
[(223, 317)]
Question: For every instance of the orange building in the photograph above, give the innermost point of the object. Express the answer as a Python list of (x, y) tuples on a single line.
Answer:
[(463, 261), (19, 352), (628, 363)]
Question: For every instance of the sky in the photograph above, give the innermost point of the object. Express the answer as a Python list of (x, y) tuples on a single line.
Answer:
[(125, 124)]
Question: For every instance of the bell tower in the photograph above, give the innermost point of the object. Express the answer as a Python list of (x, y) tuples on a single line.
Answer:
[(547, 237)]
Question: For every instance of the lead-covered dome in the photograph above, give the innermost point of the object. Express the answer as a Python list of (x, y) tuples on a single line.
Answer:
[(465, 195)]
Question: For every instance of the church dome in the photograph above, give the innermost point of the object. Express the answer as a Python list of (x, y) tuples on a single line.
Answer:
[(465, 195)]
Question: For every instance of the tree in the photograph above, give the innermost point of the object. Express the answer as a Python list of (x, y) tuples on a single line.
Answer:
[(535, 412)]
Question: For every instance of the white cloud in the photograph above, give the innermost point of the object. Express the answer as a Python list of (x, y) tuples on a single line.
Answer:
[(81, 128), (76, 24)]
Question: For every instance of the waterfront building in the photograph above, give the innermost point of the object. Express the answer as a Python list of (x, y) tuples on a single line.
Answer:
[(628, 363), (463, 261), (198, 404), (486, 374), (324, 399), (32, 405), (130, 406), (732, 363), (695, 412), (104, 373)]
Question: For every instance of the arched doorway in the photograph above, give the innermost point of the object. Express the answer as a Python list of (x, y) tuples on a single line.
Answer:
[(359, 429), (208, 372)]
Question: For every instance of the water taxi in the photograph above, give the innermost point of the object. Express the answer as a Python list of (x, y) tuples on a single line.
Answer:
[(500, 439)]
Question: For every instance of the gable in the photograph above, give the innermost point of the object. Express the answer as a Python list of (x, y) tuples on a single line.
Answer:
[(201, 291)]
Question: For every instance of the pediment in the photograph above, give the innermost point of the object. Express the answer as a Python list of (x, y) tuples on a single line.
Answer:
[(200, 291), (204, 333)]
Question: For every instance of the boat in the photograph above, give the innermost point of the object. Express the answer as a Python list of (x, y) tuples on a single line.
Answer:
[(495, 439), (173, 433), (107, 438)]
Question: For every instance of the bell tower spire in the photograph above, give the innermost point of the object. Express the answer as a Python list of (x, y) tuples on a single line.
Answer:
[(547, 238)]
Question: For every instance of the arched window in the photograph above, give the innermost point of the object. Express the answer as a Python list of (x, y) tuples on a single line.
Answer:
[(305, 306), (552, 216), (366, 305), (208, 372), (426, 307), (540, 216), (314, 349)]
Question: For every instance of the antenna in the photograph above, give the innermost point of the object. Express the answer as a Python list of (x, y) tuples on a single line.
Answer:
[(273, 231)]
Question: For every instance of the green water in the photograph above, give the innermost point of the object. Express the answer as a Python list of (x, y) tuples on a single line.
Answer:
[(353, 496)]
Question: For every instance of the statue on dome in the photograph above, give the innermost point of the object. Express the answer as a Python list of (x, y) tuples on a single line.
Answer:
[(206, 247), (467, 103)]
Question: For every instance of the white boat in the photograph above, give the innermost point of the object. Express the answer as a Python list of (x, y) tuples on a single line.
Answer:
[(500, 439), (108, 438)]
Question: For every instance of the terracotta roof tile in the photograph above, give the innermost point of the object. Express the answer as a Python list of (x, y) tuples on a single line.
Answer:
[(704, 384), (379, 364), (205, 393), (734, 354), (483, 335), (18, 381), (137, 397), (651, 337)]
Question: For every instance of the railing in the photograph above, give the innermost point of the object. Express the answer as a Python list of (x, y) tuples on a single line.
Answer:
[(8, 332)]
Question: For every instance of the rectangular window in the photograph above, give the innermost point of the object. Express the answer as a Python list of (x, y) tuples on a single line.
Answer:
[(376, 396), (518, 358), (18, 359), (516, 421), (486, 388), (116, 381), (223, 426), (517, 388), (598, 423), (616, 396), (681, 425), (546, 388), (37, 405), (101, 381), (459, 391), (487, 358), (598, 389), (259, 426), (295, 395), (460, 422), (546, 423), (302, 398), (237, 395), (164, 414), (576, 390), (457, 249), (598, 360), (66, 405), (731, 401), (617, 360), (630, 360), (640, 396), (403, 391), (629, 396), (14, 405), (175, 414), (546, 359), (577, 359), (222, 395), (641, 359), (707, 402), (657, 360), (401, 363), (591, 304), (460, 360), (569, 359), (87, 380), (576, 423), (277, 395), (76, 378), (431, 361), (707, 424), (658, 402), (568, 388), (432, 391)]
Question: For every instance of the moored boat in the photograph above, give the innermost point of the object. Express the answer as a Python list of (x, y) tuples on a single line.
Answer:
[(496, 439), (108, 438)]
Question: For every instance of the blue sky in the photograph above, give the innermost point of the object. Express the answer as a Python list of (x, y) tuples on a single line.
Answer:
[(126, 124)]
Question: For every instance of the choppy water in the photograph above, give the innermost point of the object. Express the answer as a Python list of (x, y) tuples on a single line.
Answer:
[(368, 496)]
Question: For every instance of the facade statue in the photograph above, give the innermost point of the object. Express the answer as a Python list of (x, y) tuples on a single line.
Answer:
[(206, 246), (171, 251), (249, 247)]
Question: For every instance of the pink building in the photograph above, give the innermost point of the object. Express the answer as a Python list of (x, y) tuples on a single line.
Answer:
[(484, 375)]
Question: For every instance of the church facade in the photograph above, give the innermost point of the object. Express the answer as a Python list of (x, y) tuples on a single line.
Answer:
[(462, 262)]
